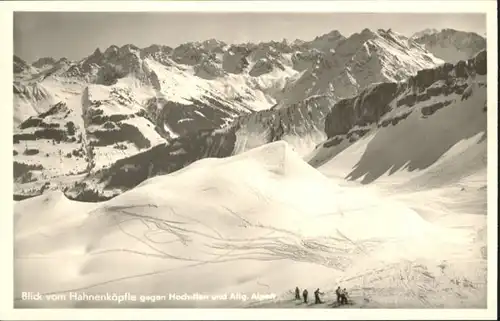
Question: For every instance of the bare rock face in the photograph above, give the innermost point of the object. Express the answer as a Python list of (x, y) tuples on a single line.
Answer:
[(183, 119), (157, 52), (115, 63), (235, 59), (300, 120), (305, 60), (463, 69), (154, 80), (361, 110), (209, 68), (480, 63), (188, 54), (264, 66)]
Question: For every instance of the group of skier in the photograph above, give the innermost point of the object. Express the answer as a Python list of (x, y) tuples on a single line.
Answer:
[(342, 295)]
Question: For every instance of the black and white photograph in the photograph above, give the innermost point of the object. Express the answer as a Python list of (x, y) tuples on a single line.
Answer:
[(331, 160)]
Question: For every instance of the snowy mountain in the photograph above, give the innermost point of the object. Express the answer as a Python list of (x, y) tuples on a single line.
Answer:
[(360, 60), (175, 168), (447, 104), (349, 120), (127, 100), (451, 45)]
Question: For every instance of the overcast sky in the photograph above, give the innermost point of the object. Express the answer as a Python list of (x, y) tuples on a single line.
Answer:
[(76, 35)]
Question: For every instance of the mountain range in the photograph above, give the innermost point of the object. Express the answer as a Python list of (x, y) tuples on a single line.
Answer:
[(97, 127)]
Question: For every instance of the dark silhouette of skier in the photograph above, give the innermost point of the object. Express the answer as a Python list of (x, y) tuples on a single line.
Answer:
[(317, 299), (297, 293), (304, 295), (338, 292), (343, 297)]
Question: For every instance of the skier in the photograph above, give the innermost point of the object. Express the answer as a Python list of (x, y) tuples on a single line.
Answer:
[(343, 296), (317, 299), (304, 295), (297, 293), (338, 293)]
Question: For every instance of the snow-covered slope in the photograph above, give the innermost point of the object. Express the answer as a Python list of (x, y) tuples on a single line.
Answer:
[(414, 130), (46, 146), (264, 221), (83, 133), (451, 45), (38, 90)]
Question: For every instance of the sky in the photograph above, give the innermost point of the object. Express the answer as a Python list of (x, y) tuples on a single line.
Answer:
[(75, 35)]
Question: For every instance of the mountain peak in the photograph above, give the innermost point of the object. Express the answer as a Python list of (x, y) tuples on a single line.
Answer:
[(446, 32), (332, 34), (111, 49), (97, 53), (390, 32), (18, 59), (129, 47), (366, 31), (328, 41), (425, 32), (335, 33), (44, 61), (449, 30), (451, 45), (362, 36), (212, 42), (20, 65)]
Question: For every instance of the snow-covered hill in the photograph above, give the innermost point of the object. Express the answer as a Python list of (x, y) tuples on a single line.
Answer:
[(263, 221), (451, 45)]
